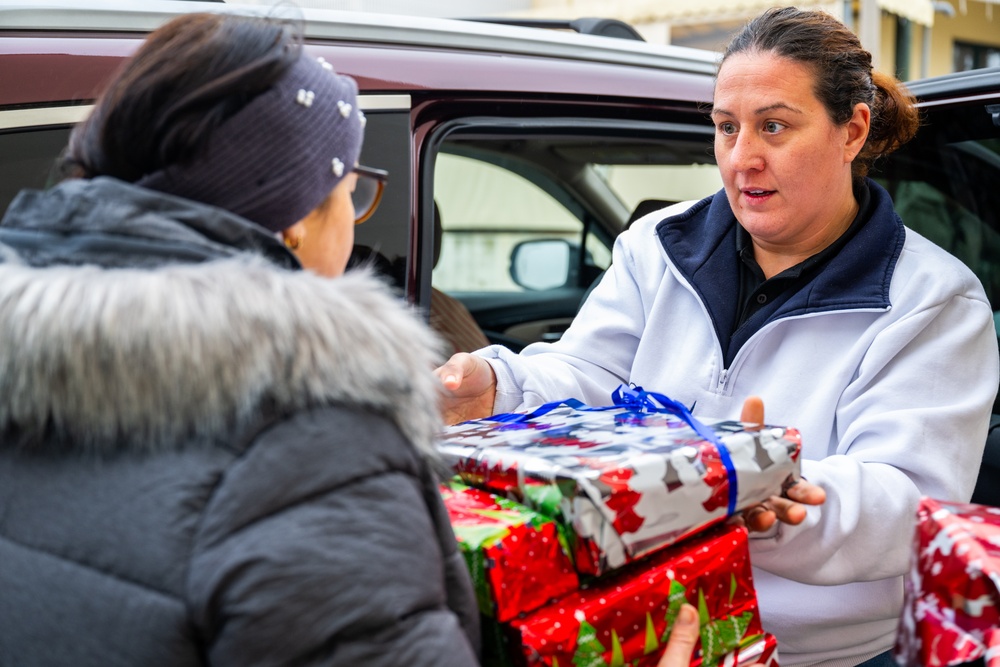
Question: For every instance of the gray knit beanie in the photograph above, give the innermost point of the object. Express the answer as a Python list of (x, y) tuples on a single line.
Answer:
[(279, 157)]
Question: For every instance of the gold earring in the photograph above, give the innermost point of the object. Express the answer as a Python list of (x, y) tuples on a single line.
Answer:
[(292, 242)]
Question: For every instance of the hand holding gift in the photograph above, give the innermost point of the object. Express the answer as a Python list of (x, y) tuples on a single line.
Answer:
[(683, 639), (789, 507), (566, 460), (470, 391), (680, 646)]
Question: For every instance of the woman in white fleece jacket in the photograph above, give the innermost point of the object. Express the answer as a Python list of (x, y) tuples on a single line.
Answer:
[(798, 283)]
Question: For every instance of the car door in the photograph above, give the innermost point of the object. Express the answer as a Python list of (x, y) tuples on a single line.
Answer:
[(944, 185)]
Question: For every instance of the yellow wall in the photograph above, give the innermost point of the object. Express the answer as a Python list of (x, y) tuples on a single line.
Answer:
[(974, 27), (887, 51)]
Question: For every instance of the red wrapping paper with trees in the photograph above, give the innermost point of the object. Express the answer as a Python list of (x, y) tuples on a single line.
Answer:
[(623, 480), (951, 612), (625, 618), (763, 651), (516, 557)]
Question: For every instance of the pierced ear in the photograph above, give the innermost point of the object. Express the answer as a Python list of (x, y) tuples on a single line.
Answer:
[(293, 236), (857, 130)]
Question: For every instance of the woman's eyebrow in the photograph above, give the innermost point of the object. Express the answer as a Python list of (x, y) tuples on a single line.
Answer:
[(759, 111), (775, 106)]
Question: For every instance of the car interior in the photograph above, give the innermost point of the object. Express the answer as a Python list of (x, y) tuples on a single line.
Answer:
[(530, 217), (944, 187)]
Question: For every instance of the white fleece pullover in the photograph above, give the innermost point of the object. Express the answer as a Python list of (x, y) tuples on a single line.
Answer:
[(892, 401)]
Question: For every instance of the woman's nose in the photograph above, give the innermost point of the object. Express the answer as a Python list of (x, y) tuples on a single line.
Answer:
[(746, 153)]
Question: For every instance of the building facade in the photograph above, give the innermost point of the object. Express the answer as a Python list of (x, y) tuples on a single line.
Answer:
[(908, 38)]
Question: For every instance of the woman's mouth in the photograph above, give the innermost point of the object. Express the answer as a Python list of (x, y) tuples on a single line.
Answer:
[(756, 194)]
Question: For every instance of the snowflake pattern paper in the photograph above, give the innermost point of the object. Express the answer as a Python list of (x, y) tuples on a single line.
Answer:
[(951, 612)]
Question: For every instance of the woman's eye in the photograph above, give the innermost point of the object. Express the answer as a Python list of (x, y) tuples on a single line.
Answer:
[(727, 128), (772, 127)]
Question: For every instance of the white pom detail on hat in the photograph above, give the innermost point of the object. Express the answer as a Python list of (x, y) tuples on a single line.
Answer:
[(345, 108), (305, 97), (338, 167)]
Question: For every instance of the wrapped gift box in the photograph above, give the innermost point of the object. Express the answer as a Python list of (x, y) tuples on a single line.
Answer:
[(763, 651), (517, 558), (951, 612), (624, 480), (625, 618)]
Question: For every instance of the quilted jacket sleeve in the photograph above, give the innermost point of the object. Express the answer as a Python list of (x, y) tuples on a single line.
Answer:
[(319, 548)]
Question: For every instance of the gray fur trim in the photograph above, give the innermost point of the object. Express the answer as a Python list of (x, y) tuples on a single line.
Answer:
[(159, 358)]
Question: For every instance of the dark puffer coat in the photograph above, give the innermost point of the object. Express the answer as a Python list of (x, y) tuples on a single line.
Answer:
[(211, 459)]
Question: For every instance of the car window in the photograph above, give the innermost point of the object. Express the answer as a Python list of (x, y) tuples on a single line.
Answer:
[(944, 184), (383, 241), (28, 156), (27, 160), (528, 215), (485, 211), (668, 182)]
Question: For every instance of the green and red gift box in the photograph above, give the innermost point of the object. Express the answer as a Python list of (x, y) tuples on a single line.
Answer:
[(625, 618), (517, 557), (537, 613)]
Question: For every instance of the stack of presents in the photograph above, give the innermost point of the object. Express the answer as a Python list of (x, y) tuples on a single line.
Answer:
[(585, 529)]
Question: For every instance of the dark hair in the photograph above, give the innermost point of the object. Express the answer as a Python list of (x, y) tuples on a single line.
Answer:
[(844, 75), (189, 76)]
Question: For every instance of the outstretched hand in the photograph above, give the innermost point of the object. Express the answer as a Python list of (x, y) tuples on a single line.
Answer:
[(789, 507), (470, 388)]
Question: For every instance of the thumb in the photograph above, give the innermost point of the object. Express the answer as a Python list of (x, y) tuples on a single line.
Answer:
[(683, 637), (453, 371), (753, 411)]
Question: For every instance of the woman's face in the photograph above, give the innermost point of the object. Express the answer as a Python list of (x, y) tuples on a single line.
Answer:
[(325, 237), (785, 165)]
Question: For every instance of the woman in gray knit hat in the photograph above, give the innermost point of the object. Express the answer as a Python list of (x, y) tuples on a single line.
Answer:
[(207, 455)]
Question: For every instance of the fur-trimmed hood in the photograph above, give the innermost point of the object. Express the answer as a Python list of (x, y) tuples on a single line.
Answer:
[(157, 358)]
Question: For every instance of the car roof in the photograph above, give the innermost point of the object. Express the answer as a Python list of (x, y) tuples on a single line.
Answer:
[(64, 51), (957, 84), (363, 27)]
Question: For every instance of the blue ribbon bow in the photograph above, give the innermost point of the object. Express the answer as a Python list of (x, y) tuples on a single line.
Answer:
[(637, 401)]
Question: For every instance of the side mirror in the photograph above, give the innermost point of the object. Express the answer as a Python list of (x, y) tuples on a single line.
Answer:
[(541, 264)]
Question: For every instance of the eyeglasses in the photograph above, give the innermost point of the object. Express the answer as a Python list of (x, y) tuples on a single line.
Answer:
[(367, 191)]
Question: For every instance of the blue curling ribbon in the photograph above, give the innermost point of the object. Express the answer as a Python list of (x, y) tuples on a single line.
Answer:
[(636, 400)]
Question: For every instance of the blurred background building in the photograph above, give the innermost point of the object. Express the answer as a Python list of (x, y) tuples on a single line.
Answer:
[(909, 38)]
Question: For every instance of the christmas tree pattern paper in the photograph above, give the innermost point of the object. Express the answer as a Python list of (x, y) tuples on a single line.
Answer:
[(516, 557), (625, 618), (763, 651), (951, 610), (624, 481)]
